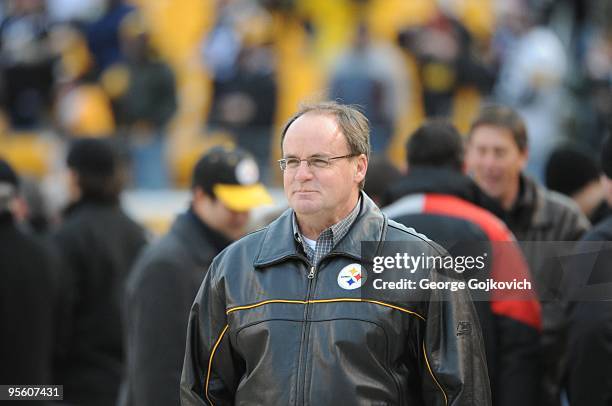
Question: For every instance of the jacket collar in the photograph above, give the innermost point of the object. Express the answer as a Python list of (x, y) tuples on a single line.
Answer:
[(529, 206), (192, 234), (278, 244), (426, 179), (86, 202)]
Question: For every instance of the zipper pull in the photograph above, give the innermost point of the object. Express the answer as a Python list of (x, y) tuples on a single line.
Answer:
[(311, 274)]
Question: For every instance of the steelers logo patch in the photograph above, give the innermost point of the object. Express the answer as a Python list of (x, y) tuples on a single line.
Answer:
[(350, 277)]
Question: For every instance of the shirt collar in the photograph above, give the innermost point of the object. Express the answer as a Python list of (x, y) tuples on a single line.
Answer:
[(368, 226), (337, 230)]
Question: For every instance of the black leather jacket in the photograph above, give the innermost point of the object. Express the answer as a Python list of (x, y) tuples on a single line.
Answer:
[(261, 332)]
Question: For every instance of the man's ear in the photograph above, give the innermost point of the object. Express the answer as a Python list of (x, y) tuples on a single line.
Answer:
[(72, 183), (362, 168), (197, 192)]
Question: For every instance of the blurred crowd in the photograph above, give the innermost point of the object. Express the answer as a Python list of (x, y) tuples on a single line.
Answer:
[(236, 70), (101, 96)]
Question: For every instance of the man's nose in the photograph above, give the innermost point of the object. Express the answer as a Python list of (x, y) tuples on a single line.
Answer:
[(490, 160), (303, 171)]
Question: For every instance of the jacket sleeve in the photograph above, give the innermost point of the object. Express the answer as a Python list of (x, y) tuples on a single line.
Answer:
[(209, 370), (452, 354), (157, 310)]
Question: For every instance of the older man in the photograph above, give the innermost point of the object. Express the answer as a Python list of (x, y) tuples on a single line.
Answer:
[(279, 319)]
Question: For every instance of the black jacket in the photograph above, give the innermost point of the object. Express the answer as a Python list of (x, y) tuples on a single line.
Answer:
[(589, 369), (262, 332), (442, 204), (540, 214), (159, 295), (544, 217), (441, 180), (98, 244), (28, 308)]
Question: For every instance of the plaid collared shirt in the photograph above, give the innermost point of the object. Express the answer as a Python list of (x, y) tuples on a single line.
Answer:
[(328, 238)]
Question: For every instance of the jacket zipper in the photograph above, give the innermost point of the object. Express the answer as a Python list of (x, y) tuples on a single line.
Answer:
[(311, 281), (311, 274), (300, 387), (390, 371)]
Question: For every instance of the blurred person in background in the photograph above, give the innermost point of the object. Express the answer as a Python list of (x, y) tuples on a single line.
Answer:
[(382, 174), (370, 74), (26, 63), (497, 152), (448, 59), (240, 54), (143, 92), (437, 199), (593, 87), (38, 213), (532, 68), (66, 11), (606, 165), (589, 367), (574, 172), (103, 36), (98, 244), (83, 106), (28, 294), (166, 277), (222, 45)]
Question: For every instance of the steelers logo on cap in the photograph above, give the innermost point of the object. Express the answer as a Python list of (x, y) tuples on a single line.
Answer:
[(247, 172)]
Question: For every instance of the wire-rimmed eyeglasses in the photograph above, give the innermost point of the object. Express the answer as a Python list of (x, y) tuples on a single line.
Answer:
[(318, 162)]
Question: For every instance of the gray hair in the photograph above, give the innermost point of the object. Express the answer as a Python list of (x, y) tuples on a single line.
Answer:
[(352, 122)]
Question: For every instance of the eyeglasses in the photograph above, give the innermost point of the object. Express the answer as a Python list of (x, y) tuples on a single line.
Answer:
[(312, 162)]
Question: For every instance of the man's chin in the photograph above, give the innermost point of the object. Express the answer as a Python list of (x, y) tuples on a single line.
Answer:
[(305, 208), (494, 193)]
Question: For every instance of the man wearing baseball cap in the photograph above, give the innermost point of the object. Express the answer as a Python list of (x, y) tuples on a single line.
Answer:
[(166, 278)]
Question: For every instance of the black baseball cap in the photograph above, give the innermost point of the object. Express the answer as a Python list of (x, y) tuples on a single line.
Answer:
[(231, 175)]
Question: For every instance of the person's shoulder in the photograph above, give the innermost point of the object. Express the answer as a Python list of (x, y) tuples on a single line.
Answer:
[(165, 261), (560, 203), (403, 232), (165, 249), (397, 232), (602, 231), (248, 244)]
